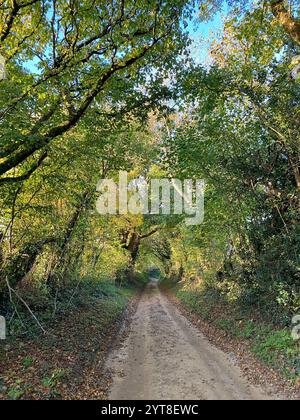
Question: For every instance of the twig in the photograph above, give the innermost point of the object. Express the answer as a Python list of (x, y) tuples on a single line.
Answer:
[(283, 221), (73, 294), (11, 290), (55, 304)]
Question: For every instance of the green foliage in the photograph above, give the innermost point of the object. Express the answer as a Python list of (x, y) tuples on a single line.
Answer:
[(27, 362), (15, 393), (242, 136), (278, 346), (54, 379)]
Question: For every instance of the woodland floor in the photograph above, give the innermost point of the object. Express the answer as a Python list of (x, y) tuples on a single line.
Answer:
[(67, 362)]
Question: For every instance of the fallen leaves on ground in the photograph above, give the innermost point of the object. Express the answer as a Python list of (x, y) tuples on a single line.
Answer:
[(67, 362)]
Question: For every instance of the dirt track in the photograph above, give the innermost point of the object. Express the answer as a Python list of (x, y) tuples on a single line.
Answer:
[(166, 357)]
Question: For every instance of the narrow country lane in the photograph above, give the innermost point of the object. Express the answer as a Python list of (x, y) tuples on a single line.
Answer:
[(166, 357)]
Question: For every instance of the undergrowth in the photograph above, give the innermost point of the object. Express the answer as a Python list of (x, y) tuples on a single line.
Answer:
[(274, 346)]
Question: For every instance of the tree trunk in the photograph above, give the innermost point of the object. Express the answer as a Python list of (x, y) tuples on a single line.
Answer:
[(22, 263), (1, 262), (65, 241), (131, 240)]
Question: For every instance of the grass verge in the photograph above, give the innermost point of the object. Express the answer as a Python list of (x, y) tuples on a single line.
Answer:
[(273, 346)]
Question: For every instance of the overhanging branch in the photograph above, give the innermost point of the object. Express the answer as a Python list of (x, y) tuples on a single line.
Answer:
[(287, 20)]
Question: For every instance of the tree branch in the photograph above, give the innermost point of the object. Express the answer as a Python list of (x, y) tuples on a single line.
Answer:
[(59, 130), (27, 174), (284, 16), (152, 232)]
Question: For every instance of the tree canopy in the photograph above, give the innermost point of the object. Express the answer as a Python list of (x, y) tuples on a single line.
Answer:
[(96, 87)]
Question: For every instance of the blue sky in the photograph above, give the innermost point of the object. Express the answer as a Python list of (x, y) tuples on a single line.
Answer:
[(203, 33)]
